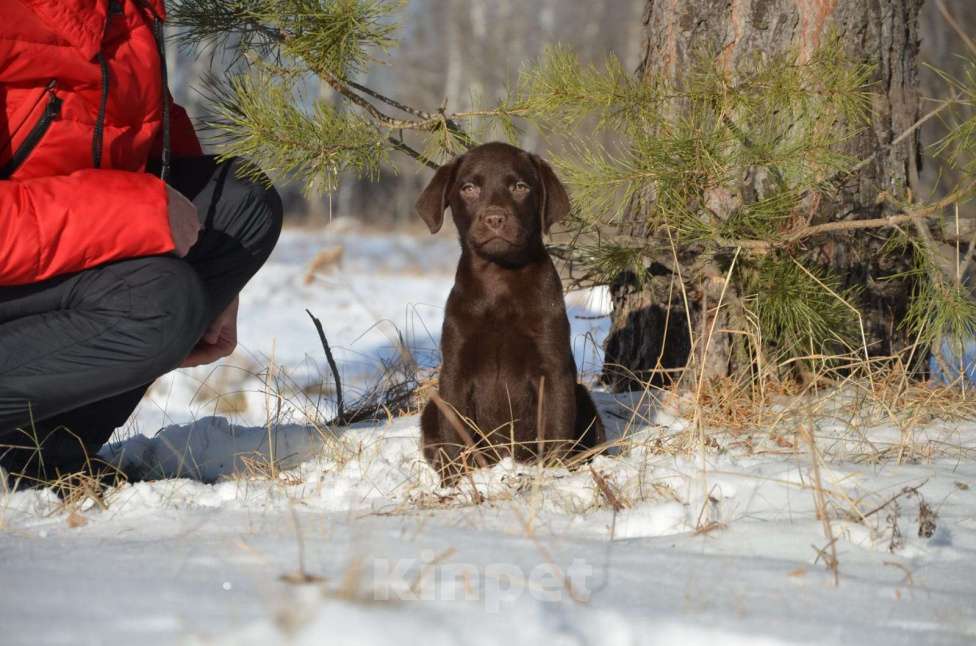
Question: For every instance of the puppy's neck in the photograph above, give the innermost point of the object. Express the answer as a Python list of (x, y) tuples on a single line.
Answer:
[(480, 267), (534, 252), (494, 284)]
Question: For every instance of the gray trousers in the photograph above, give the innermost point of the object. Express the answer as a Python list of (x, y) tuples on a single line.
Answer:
[(77, 352)]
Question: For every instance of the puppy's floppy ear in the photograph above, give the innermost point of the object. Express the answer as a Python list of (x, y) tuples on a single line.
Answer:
[(555, 202), (433, 201)]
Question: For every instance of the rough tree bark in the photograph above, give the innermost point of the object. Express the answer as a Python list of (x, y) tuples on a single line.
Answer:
[(882, 32)]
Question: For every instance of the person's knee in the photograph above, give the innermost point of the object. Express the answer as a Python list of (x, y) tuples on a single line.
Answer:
[(260, 207), (169, 312), (181, 303)]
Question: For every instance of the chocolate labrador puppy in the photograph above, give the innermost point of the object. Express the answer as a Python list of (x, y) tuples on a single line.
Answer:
[(508, 380)]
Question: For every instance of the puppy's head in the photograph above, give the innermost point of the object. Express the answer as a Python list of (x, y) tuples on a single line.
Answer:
[(502, 199)]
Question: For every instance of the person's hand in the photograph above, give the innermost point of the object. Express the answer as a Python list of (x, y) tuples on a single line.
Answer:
[(183, 221), (218, 341)]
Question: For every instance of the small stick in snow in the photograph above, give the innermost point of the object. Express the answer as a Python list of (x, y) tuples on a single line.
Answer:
[(906, 491), (710, 502), (340, 410)]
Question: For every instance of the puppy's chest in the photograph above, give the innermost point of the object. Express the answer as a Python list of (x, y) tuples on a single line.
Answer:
[(500, 368), (495, 353), (502, 338), (502, 347)]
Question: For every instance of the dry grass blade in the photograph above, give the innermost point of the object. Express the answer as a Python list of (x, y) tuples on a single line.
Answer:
[(455, 421), (540, 422), (956, 27), (547, 557), (607, 491), (444, 555), (300, 576), (823, 515)]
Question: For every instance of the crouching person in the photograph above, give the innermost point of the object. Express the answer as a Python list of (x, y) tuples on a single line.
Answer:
[(122, 247)]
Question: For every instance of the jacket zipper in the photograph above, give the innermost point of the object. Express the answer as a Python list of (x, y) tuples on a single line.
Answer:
[(51, 111), (100, 121), (114, 9)]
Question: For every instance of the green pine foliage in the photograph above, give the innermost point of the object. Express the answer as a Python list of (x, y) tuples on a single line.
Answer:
[(685, 174), (338, 36), (260, 111), (785, 120), (712, 165), (259, 118), (959, 144), (941, 311), (802, 311), (941, 307)]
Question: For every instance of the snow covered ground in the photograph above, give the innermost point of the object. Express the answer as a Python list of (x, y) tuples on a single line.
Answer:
[(351, 541)]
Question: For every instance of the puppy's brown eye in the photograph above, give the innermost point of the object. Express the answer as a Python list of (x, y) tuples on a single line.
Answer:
[(520, 187), (470, 191)]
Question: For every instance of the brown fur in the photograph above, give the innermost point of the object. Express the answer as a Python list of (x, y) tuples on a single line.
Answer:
[(506, 326)]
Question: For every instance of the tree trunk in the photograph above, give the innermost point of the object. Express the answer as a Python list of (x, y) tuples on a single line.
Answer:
[(652, 340)]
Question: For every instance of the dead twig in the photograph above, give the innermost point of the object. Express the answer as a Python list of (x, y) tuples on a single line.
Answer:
[(956, 27), (340, 418), (911, 215), (906, 491)]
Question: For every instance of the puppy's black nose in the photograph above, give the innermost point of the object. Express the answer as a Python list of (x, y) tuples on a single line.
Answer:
[(494, 220)]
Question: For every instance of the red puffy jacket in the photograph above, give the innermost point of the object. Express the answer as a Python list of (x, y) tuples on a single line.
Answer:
[(81, 109)]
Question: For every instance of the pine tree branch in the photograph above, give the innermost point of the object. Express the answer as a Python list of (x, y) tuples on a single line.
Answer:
[(852, 225), (900, 138), (348, 89), (425, 121), (749, 144), (887, 221), (407, 150), (393, 103), (967, 261), (380, 117)]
